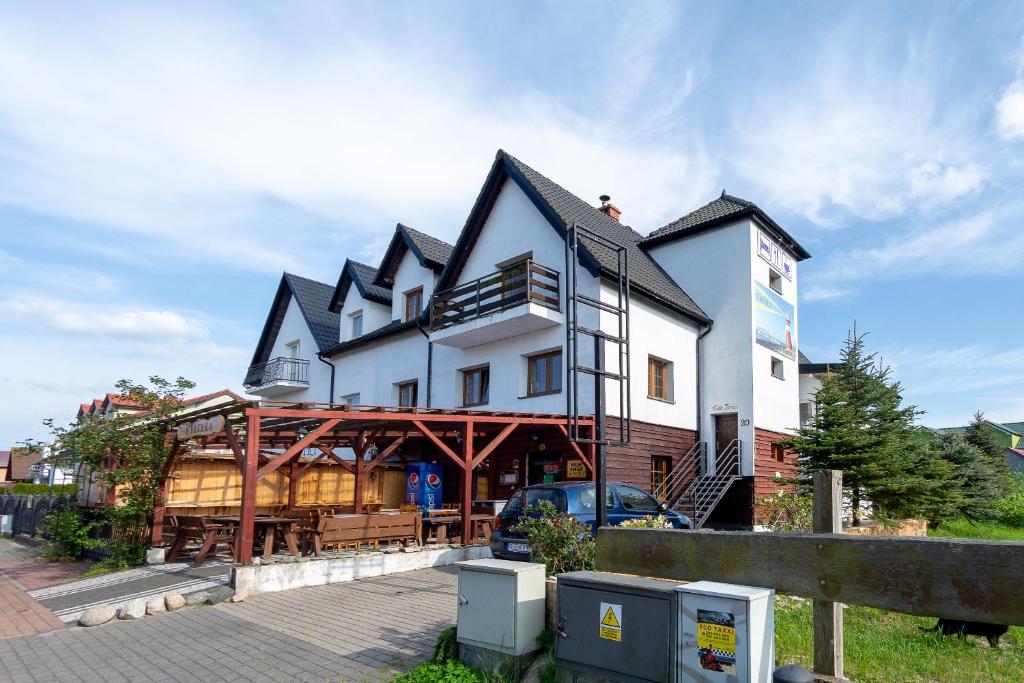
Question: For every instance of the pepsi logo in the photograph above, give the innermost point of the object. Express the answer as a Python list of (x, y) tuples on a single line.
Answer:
[(433, 481), (414, 479)]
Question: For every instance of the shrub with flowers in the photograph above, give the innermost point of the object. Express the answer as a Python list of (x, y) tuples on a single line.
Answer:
[(647, 522)]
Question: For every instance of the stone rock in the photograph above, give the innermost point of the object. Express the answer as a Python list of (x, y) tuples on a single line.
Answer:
[(96, 615), (174, 601), (196, 598), (219, 594), (156, 555), (133, 609), (155, 605)]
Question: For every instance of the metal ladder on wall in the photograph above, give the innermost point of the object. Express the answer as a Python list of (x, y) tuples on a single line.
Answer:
[(576, 238), (704, 493)]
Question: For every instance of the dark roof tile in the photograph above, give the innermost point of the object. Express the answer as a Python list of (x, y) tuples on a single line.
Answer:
[(435, 251), (313, 298)]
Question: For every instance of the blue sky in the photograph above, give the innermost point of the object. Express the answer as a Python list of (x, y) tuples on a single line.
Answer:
[(160, 166)]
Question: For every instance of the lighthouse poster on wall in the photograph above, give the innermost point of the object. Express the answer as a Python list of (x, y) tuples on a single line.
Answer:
[(774, 325)]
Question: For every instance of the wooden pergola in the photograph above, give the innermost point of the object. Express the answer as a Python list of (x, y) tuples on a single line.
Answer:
[(266, 437)]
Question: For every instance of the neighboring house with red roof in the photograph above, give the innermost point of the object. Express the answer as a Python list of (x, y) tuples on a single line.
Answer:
[(1015, 459), (23, 465), (5, 462)]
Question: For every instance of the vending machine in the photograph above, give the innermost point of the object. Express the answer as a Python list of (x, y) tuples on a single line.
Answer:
[(423, 485)]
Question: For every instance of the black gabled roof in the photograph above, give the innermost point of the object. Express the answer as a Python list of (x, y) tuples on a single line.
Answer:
[(561, 208), (722, 211), (392, 328), (313, 298), (431, 253), (364, 277)]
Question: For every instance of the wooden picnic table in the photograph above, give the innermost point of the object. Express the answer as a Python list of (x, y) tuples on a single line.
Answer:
[(442, 519), (268, 526)]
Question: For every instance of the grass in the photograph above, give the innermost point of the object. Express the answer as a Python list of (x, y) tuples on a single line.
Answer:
[(886, 647), (962, 528)]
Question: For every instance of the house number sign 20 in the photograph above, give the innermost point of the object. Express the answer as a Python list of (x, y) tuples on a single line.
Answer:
[(744, 423)]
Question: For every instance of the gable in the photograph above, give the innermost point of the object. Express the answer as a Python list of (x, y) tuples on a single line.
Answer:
[(312, 299)]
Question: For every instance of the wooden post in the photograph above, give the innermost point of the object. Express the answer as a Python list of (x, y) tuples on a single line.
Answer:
[(358, 448), (467, 484), (293, 481), (246, 526), (156, 533), (828, 616)]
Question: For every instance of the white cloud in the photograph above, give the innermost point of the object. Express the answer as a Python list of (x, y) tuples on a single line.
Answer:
[(1010, 112), (103, 320), (206, 135), (821, 293)]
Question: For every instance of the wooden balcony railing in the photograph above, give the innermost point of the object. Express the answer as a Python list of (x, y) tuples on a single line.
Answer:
[(524, 282)]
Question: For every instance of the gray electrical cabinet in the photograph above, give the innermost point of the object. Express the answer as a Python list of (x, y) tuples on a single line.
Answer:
[(616, 628), (501, 605)]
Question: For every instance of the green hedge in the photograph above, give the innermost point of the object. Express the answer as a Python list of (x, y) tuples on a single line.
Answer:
[(44, 489)]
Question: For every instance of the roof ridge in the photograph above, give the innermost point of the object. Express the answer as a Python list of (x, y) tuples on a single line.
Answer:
[(425, 234), (307, 279)]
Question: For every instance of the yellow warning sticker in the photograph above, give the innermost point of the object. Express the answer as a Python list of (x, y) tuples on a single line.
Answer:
[(610, 627)]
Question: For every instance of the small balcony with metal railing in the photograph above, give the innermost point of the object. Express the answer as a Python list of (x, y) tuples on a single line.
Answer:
[(521, 298), (277, 376)]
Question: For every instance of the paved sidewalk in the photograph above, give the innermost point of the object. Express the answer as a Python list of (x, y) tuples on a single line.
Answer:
[(350, 632), (20, 570)]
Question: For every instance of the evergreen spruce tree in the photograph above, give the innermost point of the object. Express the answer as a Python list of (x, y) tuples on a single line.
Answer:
[(971, 479), (984, 437)]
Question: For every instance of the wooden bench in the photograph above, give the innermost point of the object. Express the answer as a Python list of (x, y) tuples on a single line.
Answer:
[(362, 529), (208, 533)]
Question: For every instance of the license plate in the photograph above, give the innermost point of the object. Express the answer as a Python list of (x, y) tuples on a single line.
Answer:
[(517, 547)]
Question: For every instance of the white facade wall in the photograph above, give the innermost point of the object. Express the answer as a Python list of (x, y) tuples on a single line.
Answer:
[(667, 336), (294, 327), (373, 370), (409, 276), (375, 315)]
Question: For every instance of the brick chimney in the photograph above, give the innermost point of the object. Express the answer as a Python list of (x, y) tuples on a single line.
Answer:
[(609, 208)]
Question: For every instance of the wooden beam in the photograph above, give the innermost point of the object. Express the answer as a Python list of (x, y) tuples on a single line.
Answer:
[(425, 431), (382, 416), (296, 448), (576, 448), (385, 453), (828, 615), (232, 440), (309, 464), (293, 480), (495, 442), (246, 525), (467, 485), (156, 533), (964, 579), (336, 458)]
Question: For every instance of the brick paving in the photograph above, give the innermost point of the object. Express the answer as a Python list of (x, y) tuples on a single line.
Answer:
[(21, 570), (348, 632)]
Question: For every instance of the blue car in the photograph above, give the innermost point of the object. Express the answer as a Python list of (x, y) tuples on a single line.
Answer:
[(578, 499)]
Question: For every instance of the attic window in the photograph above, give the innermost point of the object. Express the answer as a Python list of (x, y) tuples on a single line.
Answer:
[(775, 280), (413, 303), (357, 324), (777, 368)]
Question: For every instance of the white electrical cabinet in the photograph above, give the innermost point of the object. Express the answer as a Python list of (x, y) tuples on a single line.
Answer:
[(726, 633), (501, 605)]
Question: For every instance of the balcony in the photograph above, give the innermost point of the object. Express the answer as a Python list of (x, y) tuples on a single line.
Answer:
[(516, 300), (277, 376)]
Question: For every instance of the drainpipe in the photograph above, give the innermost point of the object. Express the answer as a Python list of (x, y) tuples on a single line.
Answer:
[(320, 357), (700, 383), (430, 359)]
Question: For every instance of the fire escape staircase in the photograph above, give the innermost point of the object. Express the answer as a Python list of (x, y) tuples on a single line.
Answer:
[(691, 489)]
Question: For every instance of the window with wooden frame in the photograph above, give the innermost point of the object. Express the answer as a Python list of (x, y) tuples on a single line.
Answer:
[(408, 394), (660, 466), (544, 373), (778, 453), (413, 304), (476, 386), (658, 372)]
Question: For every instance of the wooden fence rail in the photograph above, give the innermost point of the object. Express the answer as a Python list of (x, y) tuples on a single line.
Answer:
[(954, 578)]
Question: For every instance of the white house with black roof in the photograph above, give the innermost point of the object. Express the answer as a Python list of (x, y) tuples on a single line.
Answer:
[(713, 364)]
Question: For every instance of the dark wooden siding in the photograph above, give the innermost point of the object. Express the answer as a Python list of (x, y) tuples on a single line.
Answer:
[(765, 480), (632, 464)]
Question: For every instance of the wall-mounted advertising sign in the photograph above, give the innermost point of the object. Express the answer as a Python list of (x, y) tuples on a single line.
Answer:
[(773, 321), (575, 469), (207, 427), (775, 255)]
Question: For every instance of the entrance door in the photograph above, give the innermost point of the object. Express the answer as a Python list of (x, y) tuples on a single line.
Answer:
[(726, 431), (542, 468)]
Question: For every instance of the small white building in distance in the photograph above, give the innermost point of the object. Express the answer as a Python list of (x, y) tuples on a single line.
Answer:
[(714, 367)]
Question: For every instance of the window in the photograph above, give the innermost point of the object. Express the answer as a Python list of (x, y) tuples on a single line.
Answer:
[(658, 378), (777, 368), (806, 412), (413, 303), (774, 280), (294, 348), (635, 500), (544, 373), (350, 399), (357, 324), (778, 453), (660, 466), (476, 386), (407, 394)]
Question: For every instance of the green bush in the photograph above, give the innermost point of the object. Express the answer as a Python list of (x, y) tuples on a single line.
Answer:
[(449, 672), (1011, 506), (67, 534), (786, 512), (647, 522), (559, 540), (44, 489), (447, 647)]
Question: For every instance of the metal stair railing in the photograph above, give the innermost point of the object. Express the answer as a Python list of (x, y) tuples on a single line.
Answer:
[(688, 469), (707, 491)]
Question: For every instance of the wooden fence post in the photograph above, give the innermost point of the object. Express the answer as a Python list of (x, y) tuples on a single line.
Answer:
[(828, 616)]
